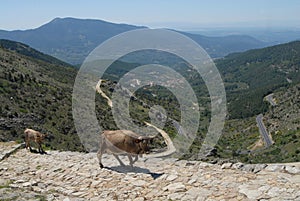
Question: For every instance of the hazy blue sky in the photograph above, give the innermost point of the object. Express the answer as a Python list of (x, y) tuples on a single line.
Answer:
[(180, 14)]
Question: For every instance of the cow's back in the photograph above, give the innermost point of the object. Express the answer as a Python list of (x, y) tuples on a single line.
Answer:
[(33, 135), (29, 133), (119, 141)]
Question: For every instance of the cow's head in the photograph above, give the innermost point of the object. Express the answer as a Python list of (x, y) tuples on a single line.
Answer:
[(143, 142), (44, 136)]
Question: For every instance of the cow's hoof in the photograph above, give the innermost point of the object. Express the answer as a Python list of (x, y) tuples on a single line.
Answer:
[(43, 152), (101, 165)]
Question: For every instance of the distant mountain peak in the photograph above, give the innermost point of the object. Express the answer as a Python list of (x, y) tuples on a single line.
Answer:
[(72, 39), (86, 20)]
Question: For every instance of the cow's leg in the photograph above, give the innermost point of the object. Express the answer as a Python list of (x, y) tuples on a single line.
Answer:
[(29, 145), (135, 158), (130, 160), (40, 148), (99, 156), (117, 157), (26, 143), (101, 151)]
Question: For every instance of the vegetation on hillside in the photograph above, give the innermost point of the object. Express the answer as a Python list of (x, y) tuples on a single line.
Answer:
[(241, 139), (252, 75), (25, 50), (36, 92)]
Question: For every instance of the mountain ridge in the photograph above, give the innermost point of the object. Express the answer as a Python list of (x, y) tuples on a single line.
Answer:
[(26, 50), (72, 39), (227, 44), (54, 38)]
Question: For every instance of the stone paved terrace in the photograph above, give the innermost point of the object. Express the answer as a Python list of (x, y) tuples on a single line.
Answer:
[(77, 176)]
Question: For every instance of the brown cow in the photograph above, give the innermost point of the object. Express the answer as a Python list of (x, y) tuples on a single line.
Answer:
[(37, 137), (123, 142)]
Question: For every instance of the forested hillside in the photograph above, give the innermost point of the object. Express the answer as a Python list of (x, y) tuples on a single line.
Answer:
[(36, 92), (251, 75)]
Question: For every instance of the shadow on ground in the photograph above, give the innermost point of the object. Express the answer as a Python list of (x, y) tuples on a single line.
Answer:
[(37, 152), (127, 169)]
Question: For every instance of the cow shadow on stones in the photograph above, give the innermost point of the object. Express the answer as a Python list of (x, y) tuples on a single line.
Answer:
[(37, 152), (128, 169)]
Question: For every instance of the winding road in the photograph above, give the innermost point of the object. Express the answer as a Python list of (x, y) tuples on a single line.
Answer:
[(98, 89)]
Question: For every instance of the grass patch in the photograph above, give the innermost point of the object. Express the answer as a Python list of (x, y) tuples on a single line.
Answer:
[(6, 185), (41, 197)]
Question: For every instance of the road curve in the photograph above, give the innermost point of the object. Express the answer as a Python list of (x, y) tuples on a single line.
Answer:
[(270, 99), (170, 147)]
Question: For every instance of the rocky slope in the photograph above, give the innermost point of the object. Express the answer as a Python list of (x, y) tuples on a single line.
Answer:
[(77, 176)]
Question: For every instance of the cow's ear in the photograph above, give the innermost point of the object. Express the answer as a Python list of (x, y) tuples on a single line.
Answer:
[(137, 140)]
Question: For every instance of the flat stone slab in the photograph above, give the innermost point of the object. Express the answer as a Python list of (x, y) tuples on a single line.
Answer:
[(8, 148)]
